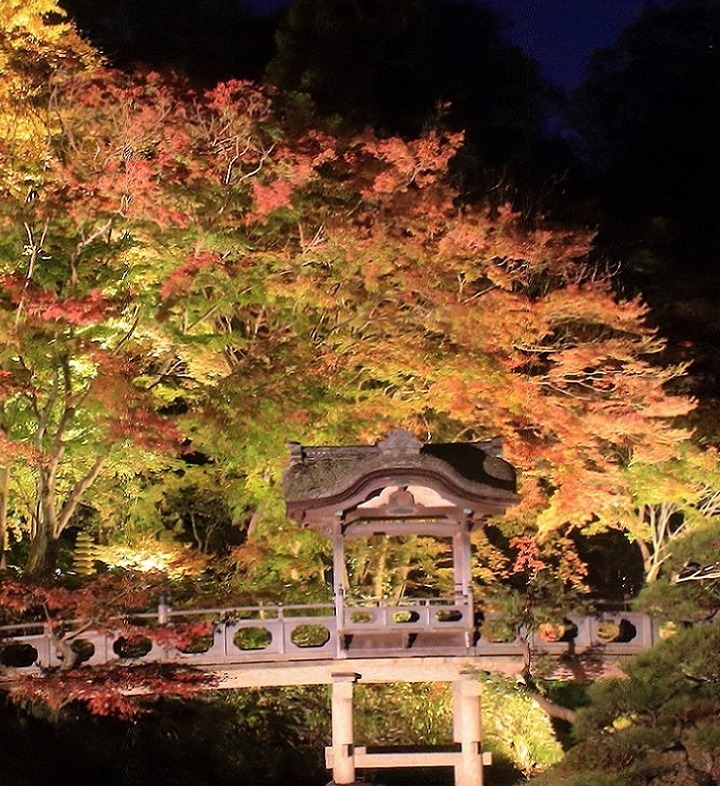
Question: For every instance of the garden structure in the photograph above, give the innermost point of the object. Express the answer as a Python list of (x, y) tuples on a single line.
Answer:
[(398, 488), (395, 489)]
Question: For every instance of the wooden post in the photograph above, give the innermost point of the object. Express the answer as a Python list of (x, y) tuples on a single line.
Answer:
[(343, 743), (338, 586), (456, 712), (163, 610), (467, 731), (462, 557)]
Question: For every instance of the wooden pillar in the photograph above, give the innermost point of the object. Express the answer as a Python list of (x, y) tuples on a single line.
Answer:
[(462, 557), (467, 731), (343, 743), (338, 585)]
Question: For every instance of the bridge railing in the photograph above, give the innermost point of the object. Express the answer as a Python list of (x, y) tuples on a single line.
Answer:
[(274, 633), (237, 634), (312, 632), (614, 633), (409, 614)]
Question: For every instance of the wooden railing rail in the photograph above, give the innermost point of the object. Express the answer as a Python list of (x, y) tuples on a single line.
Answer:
[(245, 634)]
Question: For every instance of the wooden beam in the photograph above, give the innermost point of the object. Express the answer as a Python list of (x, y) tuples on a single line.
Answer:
[(370, 670), (365, 759), (364, 528)]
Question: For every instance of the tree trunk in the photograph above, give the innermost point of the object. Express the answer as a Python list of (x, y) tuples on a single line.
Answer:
[(403, 572), (53, 517), (653, 571), (43, 544), (42, 557), (4, 486), (553, 710)]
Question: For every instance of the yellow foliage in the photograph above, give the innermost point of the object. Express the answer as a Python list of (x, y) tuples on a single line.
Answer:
[(36, 42), (34, 29), (147, 554)]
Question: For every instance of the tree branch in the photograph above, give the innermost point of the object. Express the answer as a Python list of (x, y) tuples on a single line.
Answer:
[(76, 494)]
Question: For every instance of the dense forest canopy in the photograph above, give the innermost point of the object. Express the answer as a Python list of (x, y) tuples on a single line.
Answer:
[(632, 150), (194, 272)]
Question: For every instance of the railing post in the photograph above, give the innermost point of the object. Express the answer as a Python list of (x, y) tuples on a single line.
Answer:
[(283, 630), (48, 646), (164, 609)]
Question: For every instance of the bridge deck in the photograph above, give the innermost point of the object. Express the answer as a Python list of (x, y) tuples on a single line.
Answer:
[(398, 669), (256, 647)]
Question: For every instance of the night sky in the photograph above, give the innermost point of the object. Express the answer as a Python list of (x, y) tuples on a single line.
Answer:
[(560, 34)]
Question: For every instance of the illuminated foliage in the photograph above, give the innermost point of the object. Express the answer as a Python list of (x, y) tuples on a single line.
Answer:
[(188, 280), (688, 590), (266, 283), (193, 268), (117, 691), (105, 603), (35, 42), (672, 499)]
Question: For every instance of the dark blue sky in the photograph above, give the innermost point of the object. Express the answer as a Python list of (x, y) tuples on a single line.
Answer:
[(561, 34)]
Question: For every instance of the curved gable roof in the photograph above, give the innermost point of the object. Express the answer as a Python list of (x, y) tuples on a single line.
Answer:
[(341, 477)]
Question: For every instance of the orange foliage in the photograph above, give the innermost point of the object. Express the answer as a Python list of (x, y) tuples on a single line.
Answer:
[(119, 691), (341, 279)]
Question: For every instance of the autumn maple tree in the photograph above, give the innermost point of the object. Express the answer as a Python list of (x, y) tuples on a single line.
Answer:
[(204, 272), (72, 363), (37, 41), (191, 278), (371, 298), (105, 604)]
